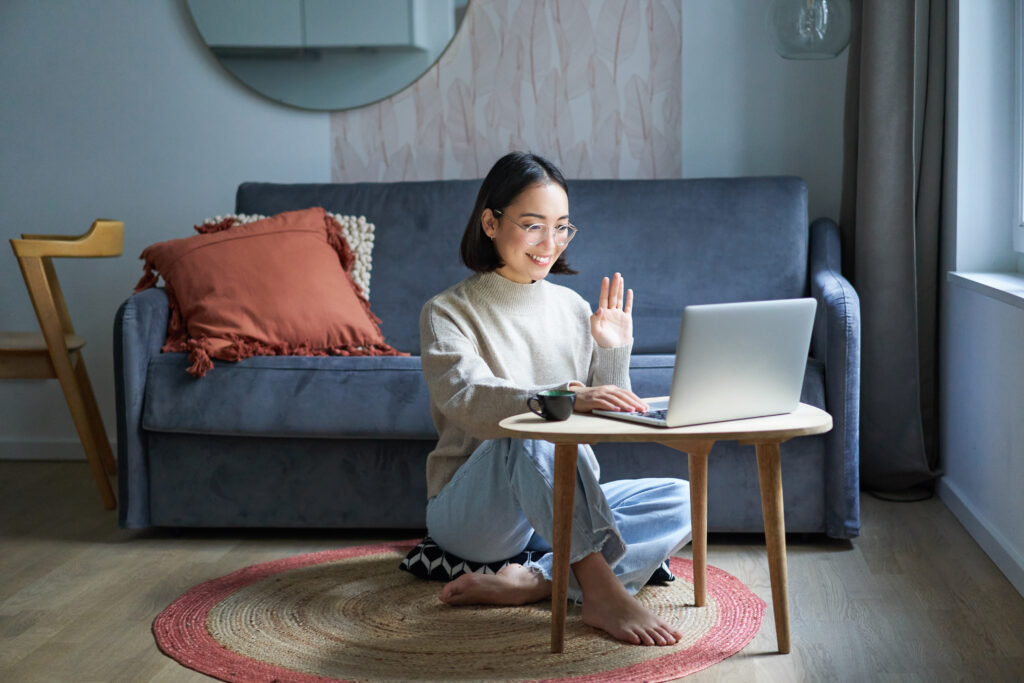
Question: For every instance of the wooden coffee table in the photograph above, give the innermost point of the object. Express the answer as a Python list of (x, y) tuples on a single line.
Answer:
[(764, 433)]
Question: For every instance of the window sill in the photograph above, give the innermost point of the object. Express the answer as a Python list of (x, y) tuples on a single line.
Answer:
[(1005, 287)]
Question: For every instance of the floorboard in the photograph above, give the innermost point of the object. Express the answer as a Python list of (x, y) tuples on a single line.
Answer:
[(912, 599)]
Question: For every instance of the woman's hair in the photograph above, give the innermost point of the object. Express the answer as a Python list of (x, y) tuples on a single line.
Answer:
[(509, 176)]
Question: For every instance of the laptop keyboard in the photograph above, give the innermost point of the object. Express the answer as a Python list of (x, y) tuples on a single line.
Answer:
[(656, 414)]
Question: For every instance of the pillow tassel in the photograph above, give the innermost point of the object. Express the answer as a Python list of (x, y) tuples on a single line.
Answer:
[(216, 226), (148, 279), (199, 357), (337, 241)]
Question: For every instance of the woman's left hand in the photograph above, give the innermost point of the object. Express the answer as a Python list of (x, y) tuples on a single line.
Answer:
[(612, 324)]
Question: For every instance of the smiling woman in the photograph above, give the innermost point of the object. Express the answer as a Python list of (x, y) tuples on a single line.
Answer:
[(327, 54)]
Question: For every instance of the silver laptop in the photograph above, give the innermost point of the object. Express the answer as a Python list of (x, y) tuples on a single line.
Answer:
[(734, 361)]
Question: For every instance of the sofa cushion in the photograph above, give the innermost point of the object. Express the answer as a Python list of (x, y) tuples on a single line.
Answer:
[(358, 234), (279, 286), (335, 396), (297, 396), (700, 241), (427, 560)]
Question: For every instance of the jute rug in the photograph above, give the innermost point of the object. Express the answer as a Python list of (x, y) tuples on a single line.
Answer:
[(351, 615)]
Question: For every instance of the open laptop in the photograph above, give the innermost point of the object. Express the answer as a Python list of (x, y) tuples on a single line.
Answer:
[(734, 361)]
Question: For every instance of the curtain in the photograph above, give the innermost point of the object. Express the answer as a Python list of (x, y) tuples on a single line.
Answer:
[(890, 223)]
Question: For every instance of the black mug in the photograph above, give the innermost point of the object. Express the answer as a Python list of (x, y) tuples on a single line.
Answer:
[(553, 405)]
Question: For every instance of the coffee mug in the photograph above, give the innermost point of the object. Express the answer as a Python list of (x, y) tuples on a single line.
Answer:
[(552, 405)]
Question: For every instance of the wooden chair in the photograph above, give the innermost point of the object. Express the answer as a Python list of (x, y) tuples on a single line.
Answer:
[(57, 352)]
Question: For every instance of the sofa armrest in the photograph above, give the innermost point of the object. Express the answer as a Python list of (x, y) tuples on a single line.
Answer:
[(836, 343), (139, 331)]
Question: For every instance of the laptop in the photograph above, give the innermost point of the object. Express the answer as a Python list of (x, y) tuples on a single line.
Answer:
[(734, 361)]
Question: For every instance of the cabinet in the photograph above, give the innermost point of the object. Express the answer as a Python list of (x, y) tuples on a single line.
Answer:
[(396, 24)]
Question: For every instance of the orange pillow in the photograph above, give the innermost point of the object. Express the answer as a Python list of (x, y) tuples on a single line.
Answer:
[(279, 286)]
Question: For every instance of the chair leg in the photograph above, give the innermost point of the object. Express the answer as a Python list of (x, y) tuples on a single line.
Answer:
[(95, 418), (78, 405)]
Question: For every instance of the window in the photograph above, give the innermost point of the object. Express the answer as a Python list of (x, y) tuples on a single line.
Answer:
[(1018, 117)]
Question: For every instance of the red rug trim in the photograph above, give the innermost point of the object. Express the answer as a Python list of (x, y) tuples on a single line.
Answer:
[(181, 633)]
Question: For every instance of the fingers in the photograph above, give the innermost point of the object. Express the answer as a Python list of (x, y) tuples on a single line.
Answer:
[(611, 397), (612, 292), (628, 306)]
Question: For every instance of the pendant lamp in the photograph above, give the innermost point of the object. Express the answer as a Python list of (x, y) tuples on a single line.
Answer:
[(809, 29)]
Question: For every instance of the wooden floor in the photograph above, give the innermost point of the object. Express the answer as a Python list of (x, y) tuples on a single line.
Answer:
[(913, 599)]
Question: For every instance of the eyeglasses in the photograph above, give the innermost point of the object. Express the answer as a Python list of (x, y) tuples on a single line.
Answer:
[(538, 232)]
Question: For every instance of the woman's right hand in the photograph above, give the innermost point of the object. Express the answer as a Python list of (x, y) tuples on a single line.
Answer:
[(606, 397)]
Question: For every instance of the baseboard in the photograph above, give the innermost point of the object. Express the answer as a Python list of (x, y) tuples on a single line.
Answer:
[(991, 540), (43, 449)]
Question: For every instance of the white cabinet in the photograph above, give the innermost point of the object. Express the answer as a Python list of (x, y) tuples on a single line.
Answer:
[(356, 23), (397, 24), (248, 23)]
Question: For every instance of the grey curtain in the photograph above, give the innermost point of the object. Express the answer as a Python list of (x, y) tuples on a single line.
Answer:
[(890, 223)]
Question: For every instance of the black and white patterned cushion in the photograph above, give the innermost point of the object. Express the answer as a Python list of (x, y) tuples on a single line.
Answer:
[(429, 561)]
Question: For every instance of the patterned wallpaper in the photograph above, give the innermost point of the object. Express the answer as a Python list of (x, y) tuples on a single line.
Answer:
[(594, 85)]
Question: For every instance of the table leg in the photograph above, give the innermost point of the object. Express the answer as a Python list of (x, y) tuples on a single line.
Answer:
[(565, 490), (698, 461), (769, 470)]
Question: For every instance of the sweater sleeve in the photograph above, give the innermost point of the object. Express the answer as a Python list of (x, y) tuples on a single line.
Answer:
[(610, 366), (462, 385)]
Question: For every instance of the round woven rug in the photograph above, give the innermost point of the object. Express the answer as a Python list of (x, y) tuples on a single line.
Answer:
[(351, 615)]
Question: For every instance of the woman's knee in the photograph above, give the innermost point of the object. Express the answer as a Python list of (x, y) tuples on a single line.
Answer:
[(677, 492)]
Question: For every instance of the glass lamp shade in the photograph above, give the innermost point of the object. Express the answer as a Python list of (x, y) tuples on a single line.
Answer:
[(809, 29)]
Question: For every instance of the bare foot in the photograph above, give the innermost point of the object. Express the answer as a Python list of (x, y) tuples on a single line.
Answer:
[(624, 618), (607, 605), (512, 585)]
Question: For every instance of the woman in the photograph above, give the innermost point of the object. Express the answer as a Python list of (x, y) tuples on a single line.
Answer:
[(488, 344)]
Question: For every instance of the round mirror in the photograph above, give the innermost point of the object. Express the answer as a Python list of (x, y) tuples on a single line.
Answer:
[(327, 54)]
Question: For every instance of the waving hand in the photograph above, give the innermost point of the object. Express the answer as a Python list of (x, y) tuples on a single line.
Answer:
[(612, 324)]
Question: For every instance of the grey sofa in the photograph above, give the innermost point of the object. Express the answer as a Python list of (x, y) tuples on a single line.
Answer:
[(342, 441)]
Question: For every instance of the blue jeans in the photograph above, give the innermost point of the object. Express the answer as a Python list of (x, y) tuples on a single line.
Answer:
[(500, 502)]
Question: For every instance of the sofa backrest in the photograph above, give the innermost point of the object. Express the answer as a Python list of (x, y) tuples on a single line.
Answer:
[(676, 242)]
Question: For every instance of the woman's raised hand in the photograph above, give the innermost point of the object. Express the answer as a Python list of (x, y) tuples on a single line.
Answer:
[(612, 324)]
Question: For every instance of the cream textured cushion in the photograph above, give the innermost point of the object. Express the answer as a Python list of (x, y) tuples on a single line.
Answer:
[(356, 230)]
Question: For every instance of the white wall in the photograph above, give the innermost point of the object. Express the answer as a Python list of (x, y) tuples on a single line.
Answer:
[(748, 111), (115, 108), (983, 429), (982, 367)]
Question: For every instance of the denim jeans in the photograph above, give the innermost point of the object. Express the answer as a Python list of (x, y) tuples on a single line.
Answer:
[(500, 502)]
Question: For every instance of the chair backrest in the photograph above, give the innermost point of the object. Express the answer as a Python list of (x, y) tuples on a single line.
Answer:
[(104, 238), (676, 242)]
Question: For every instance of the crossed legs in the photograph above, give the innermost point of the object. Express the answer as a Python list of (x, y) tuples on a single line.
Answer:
[(500, 502)]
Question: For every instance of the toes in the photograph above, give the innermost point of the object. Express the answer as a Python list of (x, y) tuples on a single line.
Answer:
[(669, 637), (658, 638), (645, 638)]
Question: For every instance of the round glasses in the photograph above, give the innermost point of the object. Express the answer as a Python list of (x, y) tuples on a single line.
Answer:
[(538, 232)]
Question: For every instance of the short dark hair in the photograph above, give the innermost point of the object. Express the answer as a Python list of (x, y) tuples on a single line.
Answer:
[(509, 176)]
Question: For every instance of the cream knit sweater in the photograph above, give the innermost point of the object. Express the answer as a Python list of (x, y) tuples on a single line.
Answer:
[(488, 344)]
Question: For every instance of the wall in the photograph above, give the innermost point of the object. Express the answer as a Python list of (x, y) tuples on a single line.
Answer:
[(115, 108), (982, 368), (594, 86), (607, 89), (747, 111)]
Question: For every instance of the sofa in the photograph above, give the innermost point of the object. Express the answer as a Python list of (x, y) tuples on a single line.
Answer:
[(341, 441)]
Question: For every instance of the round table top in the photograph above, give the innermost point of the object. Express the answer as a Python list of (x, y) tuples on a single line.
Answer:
[(587, 428)]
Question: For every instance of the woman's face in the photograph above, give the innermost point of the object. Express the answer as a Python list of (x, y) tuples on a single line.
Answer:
[(544, 203)]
